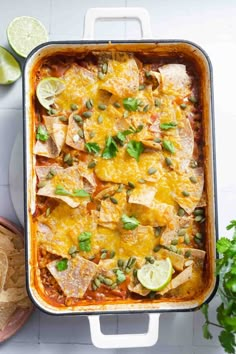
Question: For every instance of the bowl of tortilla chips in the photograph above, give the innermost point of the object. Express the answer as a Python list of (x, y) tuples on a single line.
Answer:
[(15, 306)]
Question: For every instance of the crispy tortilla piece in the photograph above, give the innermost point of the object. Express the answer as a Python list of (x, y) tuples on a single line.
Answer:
[(60, 230), (5, 315), (106, 266), (47, 172), (174, 78), (180, 279), (74, 139), (112, 123), (57, 131), (110, 213), (112, 170), (194, 253), (138, 242), (170, 232), (108, 190), (3, 269), (177, 260), (185, 143), (74, 280), (12, 295), (138, 289), (182, 183), (158, 214), (6, 245), (142, 195), (80, 85), (122, 78), (70, 179)]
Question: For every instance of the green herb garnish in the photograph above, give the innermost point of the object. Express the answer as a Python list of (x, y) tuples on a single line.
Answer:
[(130, 103), (129, 223), (226, 312), (122, 135), (60, 190), (93, 148), (85, 241), (167, 126), (62, 265), (168, 145), (110, 148), (42, 133), (135, 148)]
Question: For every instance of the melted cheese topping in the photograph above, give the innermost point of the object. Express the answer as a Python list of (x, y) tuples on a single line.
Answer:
[(148, 189)]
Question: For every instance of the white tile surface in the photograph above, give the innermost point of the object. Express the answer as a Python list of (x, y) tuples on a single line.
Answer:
[(10, 124), (212, 26), (72, 329)]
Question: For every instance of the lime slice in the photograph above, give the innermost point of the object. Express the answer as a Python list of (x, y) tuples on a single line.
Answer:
[(25, 33), (155, 276), (10, 69), (47, 89)]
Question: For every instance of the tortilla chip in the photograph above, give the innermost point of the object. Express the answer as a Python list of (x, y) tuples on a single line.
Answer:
[(80, 84), (175, 78), (122, 78), (184, 152), (138, 242), (3, 269), (73, 137), (158, 214), (6, 244), (12, 295), (44, 172), (111, 171), (180, 279), (143, 195), (70, 179), (177, 260), (59, 231), (57, 131), (5, 315), (182, 183), (74, 280), (110, 213)]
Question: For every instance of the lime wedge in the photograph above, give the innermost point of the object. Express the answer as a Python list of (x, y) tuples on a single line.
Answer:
[(155, 276), (10, 69), (25, 33), (47, 89)]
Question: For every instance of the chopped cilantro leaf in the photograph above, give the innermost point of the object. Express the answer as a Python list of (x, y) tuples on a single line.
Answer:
[(129, 223), (135, 148), (42, 133), (110, 148), (93, 148), (62, 265)]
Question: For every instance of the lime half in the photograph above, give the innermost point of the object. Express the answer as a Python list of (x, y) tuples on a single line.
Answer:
[(157, 275), (25, 33), (10, 69), (48, 89)]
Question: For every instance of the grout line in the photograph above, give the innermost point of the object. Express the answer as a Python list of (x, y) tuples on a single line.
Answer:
[(11, 108)]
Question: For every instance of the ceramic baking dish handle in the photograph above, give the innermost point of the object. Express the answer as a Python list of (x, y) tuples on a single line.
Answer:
[(147, 339), (138, 13)]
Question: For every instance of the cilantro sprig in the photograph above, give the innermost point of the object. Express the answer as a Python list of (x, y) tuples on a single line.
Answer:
[(226, 311), (93, 148), (129, 223), (42, 133), (135, 148), (110, 149), (60, 190)]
